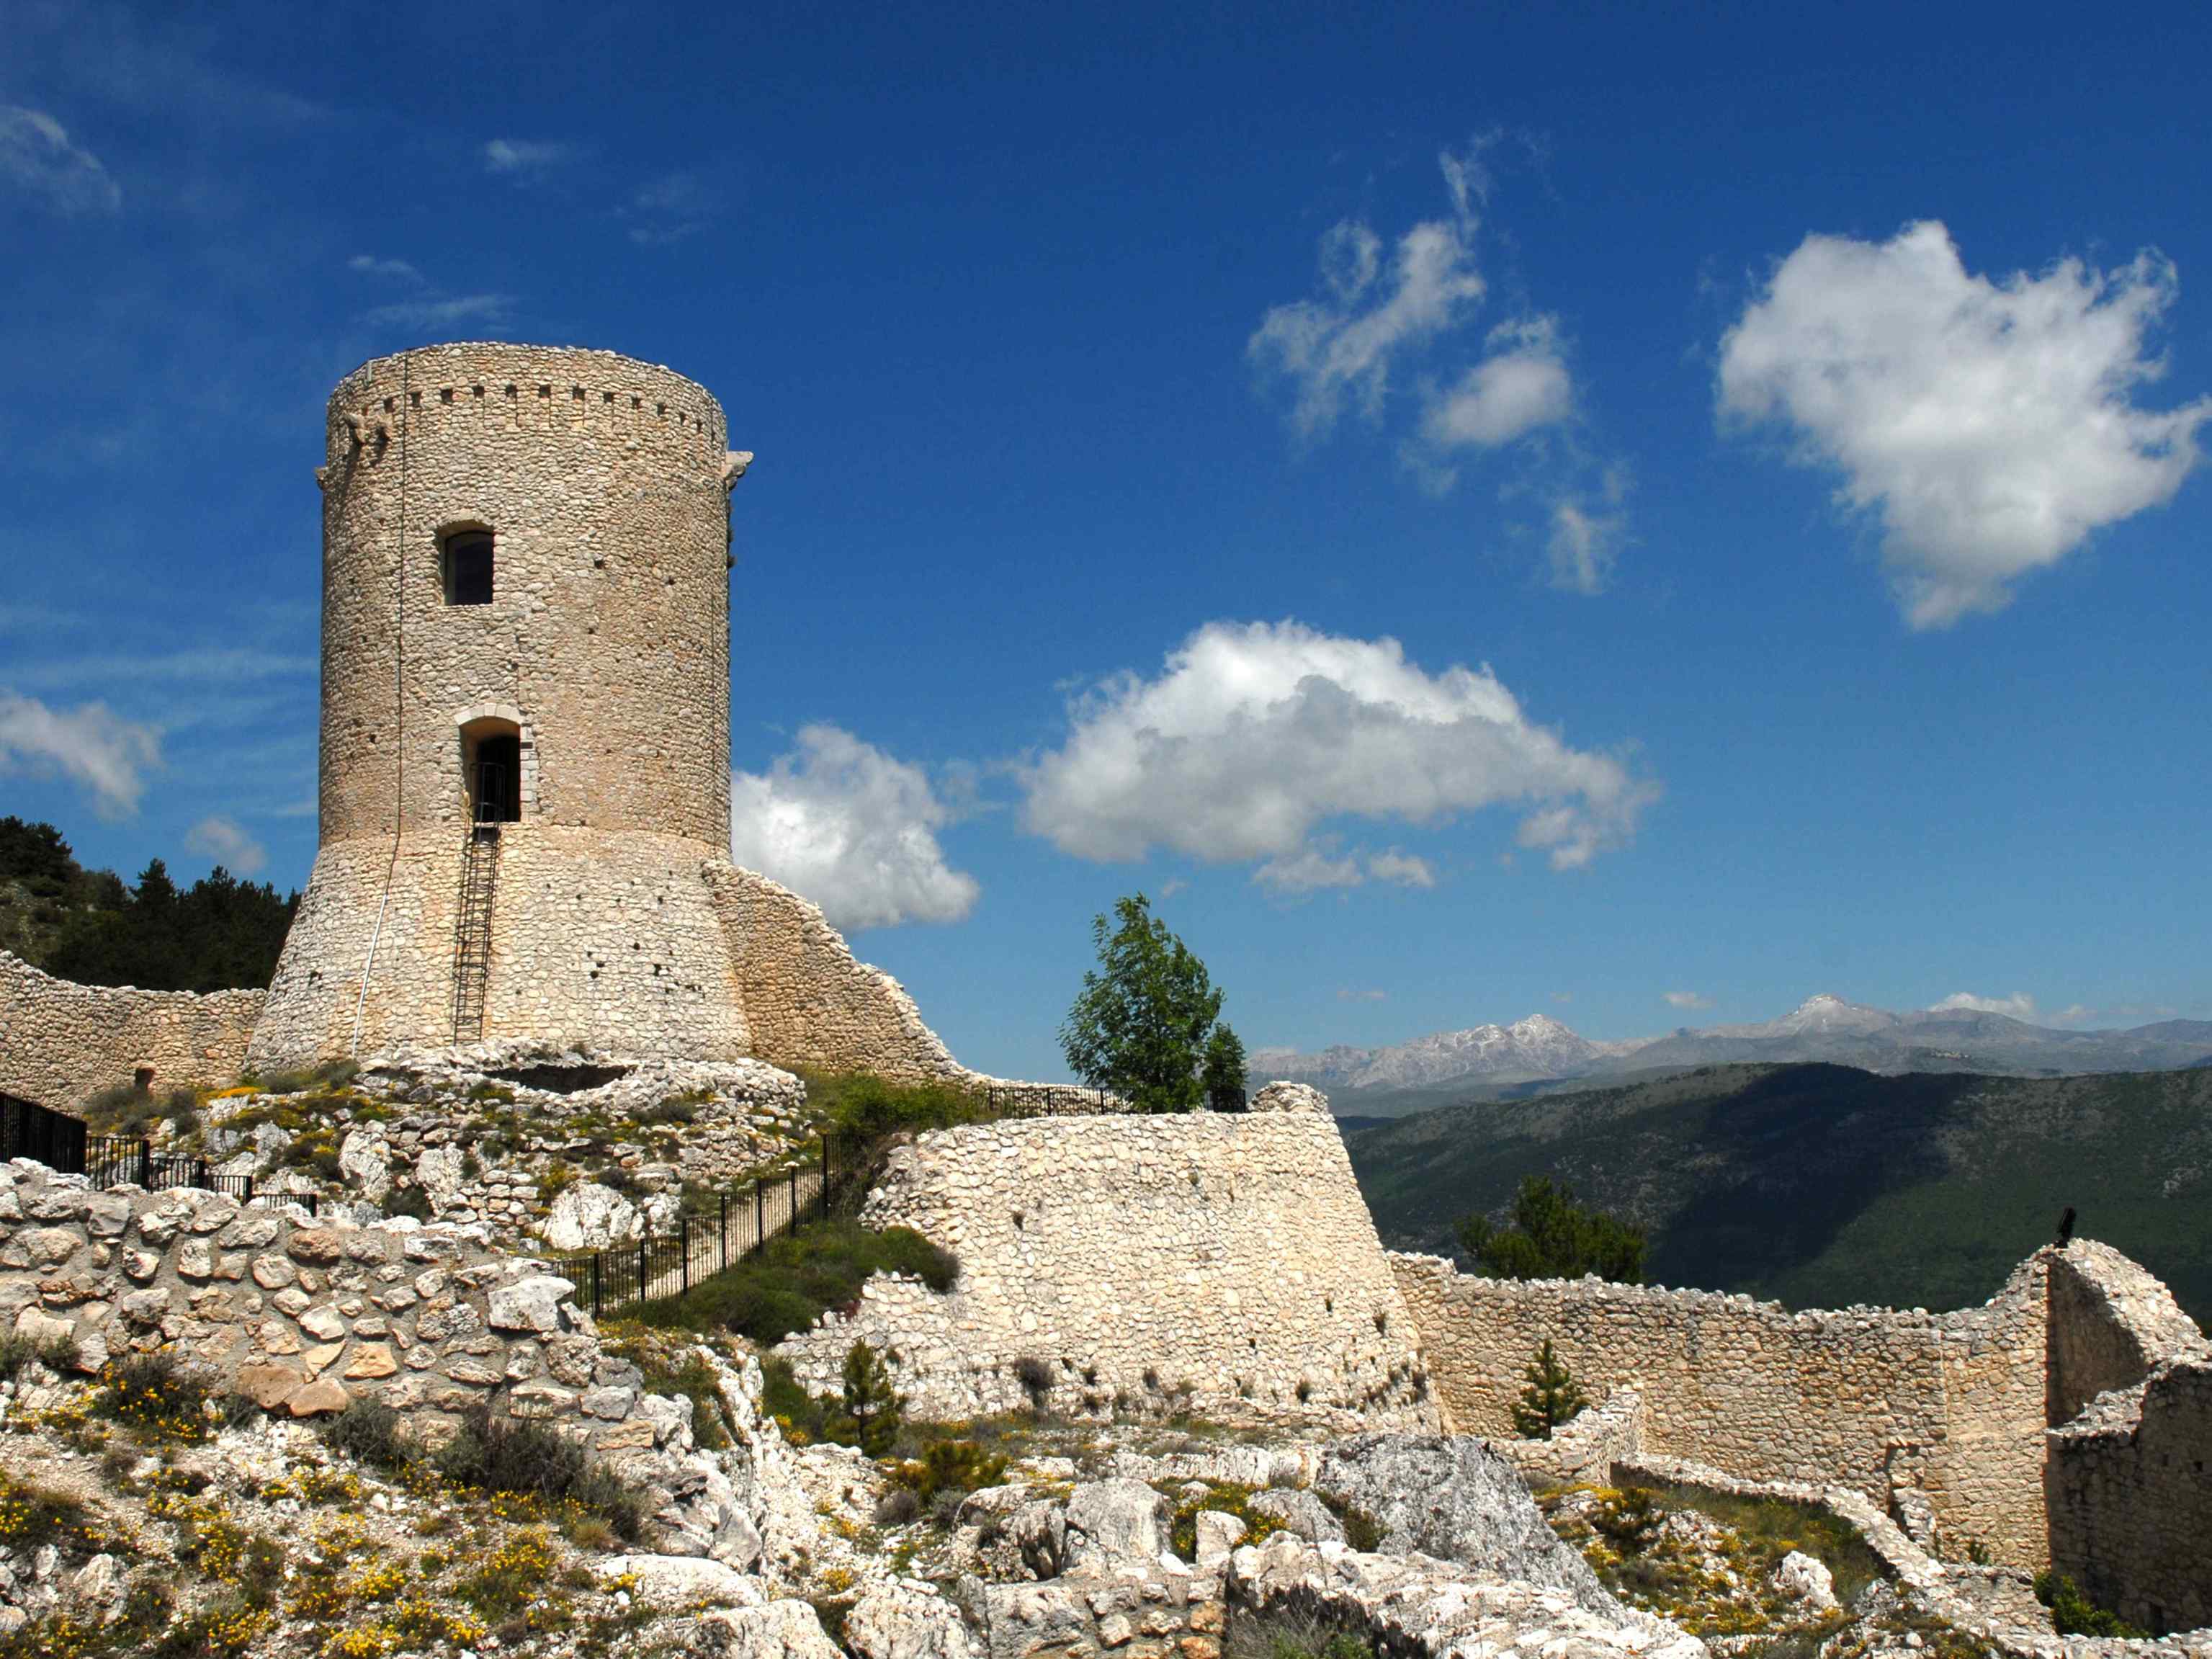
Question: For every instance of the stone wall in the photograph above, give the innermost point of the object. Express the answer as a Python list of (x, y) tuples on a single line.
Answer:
[(603, 944), (1226, 1262), (302, 1317), (2126, 1482), (1943, 1413), (808, 1003), (2131, 1493), (60, 1041)]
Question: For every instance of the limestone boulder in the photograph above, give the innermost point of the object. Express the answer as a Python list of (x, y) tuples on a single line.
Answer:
[(1414, 1605), (1451, 1496), (365, 1164), (440, 1171), (682, 1583), (589, 1217), (1218, 1535), (529, 1303), (907, 1619), (1806, 1580), (1114, 1521), (1298, 1512), (781, 1630), (1289, 1097)]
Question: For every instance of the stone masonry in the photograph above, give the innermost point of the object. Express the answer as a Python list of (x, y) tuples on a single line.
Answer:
[(1225, 1262), (60, 1041)]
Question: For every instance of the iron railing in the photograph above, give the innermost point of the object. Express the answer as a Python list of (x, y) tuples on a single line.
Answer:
[(702, 1245), (30, 1130)]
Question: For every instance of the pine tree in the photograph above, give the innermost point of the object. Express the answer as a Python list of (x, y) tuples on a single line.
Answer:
[(871, 1402), (1551, 1398)]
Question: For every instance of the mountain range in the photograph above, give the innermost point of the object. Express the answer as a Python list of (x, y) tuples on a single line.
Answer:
[(1496, 1061)]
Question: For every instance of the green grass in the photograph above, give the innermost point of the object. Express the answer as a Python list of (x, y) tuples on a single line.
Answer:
[(1820, 1185), (792, 1280)]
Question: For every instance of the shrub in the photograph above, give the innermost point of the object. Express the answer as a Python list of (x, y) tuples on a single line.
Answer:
[(2073, 1614), (1551, 1236), (33, 1516), (873, 1108), (1629, 1519), (954, 1466), (1037, 1379), (154, 1393), (897, 1507), (1551, 1398), (1285, 1635), (367, 1431), (408, 1201), (517, 1455), (789, 1283), (871, 1401), (59, 1354)]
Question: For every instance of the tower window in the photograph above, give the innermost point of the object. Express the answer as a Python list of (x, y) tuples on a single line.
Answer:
[(465, 564)]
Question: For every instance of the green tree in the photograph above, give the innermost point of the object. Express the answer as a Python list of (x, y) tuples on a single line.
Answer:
[(1148, 1019), (1551, 1236), (1222, 1075), (1551, 1398), (871, 1401)]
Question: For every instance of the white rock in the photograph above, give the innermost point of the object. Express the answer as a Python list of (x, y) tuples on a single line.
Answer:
[(589, 1217), (1808, 1580), (439, 1172), (528, 1304), (781, 1629), (905, 1620), (682, 1583), (1217, 1535), (364, 1163)]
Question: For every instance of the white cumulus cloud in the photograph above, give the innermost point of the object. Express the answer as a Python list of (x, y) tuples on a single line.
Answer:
[(1254, 735), (842, 822), (37, 157), (227, 842), (526, 157), (1991, 424), (1688, 1000), (2018, 1004), (106, 754), (1521, 385)]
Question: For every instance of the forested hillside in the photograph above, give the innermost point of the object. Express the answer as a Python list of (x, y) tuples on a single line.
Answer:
[(1822, 1186), (86, 925)]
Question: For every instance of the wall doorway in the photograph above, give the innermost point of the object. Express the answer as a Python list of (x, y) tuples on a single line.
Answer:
[(491, 757)]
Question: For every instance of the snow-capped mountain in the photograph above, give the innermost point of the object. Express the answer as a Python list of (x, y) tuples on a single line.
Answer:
[(1823, 1028)]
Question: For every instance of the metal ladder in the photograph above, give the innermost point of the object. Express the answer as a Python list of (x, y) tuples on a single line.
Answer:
[(472, 930)]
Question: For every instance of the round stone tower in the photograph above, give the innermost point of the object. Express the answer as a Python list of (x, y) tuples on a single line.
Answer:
[(525, 742)]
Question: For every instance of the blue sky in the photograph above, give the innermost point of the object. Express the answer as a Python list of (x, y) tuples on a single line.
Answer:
[(1479, 511)]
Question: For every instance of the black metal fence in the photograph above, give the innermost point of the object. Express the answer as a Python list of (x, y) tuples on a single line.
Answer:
[(60, 1142), (703, 1244)]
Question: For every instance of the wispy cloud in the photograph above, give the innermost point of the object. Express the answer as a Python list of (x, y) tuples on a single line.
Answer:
[(37, 158), (226, 840), (668, 208), (208, 666), (420, 315), (393, 270), (103, 754), (527, 158), (1346, 993), (2018, 1006), (1688, 1000)]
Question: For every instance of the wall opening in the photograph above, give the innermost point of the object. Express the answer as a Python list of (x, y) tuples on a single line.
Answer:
[(491, 771), (464, 566)]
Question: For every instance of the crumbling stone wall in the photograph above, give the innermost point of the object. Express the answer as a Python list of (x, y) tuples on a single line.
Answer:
[(1224, 1262), (1942, 1412), (807, 1001), (302, 1317), (60, 1041), (2131, 1393), (2130, 1492)]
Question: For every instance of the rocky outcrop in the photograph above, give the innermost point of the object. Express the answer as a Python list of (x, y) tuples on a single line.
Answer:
[(1452, 1498), (1413, 1605)]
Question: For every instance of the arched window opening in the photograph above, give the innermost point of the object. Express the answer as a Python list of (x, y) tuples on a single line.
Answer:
[(491, 761), (464, 562)]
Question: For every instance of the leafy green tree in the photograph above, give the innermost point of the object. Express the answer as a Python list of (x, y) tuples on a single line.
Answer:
[(1222, 1075), (1146, 1024), (1551, 1398), (1551, 1236), (871, 1401)]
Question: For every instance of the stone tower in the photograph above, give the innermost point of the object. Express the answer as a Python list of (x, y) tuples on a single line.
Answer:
[(525, 780)]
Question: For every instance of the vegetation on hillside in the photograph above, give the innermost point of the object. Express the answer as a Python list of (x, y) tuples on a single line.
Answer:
[(793, 1279), (1147, 1022), (85, 925), (1820, 1185), (1551, 1236)]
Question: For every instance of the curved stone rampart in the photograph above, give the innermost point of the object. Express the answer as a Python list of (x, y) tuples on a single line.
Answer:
[(1908, 1407), (61, 1041), (1224, 1262)]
